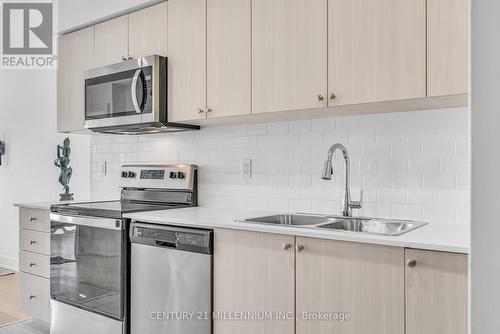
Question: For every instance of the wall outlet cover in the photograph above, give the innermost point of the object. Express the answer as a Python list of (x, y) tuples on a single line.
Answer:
[(246, 168)]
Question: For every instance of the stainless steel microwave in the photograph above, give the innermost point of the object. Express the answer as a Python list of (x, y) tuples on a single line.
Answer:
[(129, 98)]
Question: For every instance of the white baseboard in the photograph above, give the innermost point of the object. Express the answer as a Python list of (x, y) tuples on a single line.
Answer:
[(9, 263)]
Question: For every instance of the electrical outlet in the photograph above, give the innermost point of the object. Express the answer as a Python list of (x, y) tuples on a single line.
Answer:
[(245, 168), (103, 168)]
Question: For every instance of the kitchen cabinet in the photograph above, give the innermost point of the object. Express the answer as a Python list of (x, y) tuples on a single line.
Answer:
[(366, 281), (376, 50), (187, 59), (436, 292), (229, 57), (111, 41), (289, 55), (447, 47), (253, 272), (75, 56), (147, 31), (34, 262)]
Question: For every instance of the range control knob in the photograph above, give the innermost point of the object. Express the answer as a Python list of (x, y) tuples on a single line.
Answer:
[(180, 175), (131, 174), (173, 175), (124, 174)]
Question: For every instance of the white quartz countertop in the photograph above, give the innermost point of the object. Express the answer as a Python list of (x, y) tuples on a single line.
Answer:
[(433, 236), (46, 205)]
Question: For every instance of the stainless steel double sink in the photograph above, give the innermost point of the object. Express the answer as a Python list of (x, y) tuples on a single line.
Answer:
[(351, 224)]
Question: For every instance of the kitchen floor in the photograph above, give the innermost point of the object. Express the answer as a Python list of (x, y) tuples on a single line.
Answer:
[(10, 310), (25, 327)]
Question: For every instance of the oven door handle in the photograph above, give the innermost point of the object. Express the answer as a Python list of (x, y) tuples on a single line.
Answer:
[(139, 108), (104, 223)]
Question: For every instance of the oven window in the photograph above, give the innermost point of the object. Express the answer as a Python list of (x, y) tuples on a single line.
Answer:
[(111, 95), (87, 268)]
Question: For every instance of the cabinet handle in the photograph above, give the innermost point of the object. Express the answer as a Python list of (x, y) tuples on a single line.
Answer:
[(201, 111), (124, 58), (32, 264), (129, 58), (411, 263), (32, 242), (209, 110), (320, 97), (32, 219), (32, 297), (332, 96), (286, 246), (299, 248)]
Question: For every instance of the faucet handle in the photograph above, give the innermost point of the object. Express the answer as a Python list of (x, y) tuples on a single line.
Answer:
[(357, 204)]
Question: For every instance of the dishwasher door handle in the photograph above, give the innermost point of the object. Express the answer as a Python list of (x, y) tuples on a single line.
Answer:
[(165, 244)]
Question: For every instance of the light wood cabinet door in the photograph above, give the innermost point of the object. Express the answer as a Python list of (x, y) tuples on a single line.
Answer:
[(187, 68), (289, 55), (229, 57), (147, 31), (253, 273), (436, 293), (111, 41), (447, 47), (376, 50), (366, 281), (75, 56)]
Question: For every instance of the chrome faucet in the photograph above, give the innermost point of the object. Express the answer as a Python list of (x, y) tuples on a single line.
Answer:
[(347, 204)]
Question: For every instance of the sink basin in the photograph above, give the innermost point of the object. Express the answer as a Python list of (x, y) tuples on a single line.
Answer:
[(290, 220), (349, 224), (373, 226)]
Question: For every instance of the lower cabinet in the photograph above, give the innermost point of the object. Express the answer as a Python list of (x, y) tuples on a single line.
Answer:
[(35, 296), (315, 286), (358, 287), (34, 262), (253, 274), (436, 292)]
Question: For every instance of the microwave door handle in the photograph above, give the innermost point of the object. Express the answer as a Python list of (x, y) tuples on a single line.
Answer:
[(135, 82)]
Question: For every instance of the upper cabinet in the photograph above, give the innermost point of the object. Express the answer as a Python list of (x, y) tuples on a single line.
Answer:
[(436, 292), (244, 57), (448, 47), (147, 32), (187, 60), (111, 41), (75, 56), (229, 57), (289, 55), (376, 50)]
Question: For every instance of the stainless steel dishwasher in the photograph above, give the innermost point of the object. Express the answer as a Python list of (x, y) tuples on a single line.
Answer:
[(171, 280)]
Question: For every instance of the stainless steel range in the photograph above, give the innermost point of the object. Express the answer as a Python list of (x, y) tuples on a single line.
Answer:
[(90, 249)]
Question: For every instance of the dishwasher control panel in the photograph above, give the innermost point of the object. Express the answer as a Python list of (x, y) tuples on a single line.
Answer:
[(173, 237)]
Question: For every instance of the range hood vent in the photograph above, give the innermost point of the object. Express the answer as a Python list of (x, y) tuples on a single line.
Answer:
[(146, 128)]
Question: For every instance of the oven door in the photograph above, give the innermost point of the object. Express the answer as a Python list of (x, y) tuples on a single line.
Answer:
[(122, 94), (88, 261)]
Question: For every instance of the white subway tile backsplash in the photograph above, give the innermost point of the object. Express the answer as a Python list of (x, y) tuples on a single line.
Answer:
[(412, 165)]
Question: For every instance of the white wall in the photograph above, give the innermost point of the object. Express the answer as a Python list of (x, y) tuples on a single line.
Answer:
[(76, 13), (27, 174), (485, 273), (411, 165)]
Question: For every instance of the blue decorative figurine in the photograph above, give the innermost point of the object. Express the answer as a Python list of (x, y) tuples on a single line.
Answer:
[(62, 161)]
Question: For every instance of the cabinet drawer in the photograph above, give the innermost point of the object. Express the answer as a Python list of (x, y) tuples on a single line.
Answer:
[(33, 219), (36, 264), (35, 296), (34, 241)]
